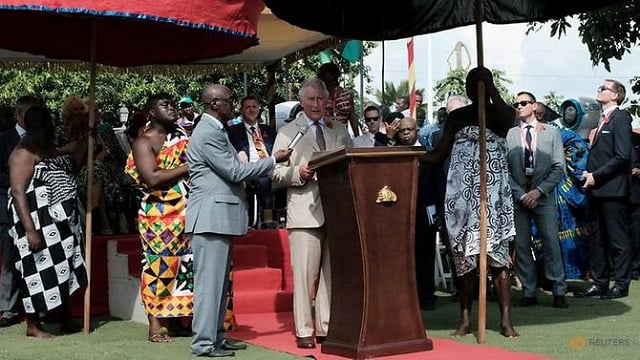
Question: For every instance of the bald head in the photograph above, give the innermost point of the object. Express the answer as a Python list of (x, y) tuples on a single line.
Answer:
[(217, 101)]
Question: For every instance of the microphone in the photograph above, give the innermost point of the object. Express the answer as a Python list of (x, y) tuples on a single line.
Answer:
[(298, 136)]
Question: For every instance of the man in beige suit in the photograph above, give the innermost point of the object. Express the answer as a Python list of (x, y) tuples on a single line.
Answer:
[(305, 216)]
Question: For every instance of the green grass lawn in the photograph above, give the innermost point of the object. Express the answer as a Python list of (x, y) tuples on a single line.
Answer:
[(588, 329)]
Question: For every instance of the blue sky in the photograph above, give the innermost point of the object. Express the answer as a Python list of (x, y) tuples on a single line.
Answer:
[(534, 62)]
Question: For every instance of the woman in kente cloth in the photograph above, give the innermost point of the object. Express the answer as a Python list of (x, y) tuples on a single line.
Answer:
[(571, 203), (47, 230), (158, 164), (461, 138)]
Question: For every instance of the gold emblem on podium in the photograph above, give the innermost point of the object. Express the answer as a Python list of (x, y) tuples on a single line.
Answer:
[(386, 195)]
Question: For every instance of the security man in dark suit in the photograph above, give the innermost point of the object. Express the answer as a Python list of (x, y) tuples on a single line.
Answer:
[(9, 276), (254, 141), (608, 177), (430, 196)]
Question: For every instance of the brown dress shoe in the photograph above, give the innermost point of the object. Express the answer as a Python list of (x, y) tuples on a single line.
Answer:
[(305, 342), (560, 301)]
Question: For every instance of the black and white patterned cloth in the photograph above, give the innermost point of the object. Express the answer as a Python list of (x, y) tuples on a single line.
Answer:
[(462, 201), (51, 275)]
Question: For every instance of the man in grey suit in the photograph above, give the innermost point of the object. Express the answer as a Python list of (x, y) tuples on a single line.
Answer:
[(305, 216), (216, 212), (536, 166)]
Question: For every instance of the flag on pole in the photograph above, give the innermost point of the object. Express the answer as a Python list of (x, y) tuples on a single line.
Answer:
[(352, 51), (412, 78)]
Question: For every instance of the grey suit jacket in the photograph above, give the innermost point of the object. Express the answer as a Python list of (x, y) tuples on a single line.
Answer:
[(304, 206), (549, 162), (217, 199)]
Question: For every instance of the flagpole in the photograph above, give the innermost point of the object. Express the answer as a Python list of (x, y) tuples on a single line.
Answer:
[(412, 78)]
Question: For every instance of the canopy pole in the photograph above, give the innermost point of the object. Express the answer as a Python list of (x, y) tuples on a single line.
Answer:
[(89, 217), (482, 124)]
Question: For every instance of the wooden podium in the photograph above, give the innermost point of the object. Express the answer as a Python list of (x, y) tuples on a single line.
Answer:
[(369, 197)]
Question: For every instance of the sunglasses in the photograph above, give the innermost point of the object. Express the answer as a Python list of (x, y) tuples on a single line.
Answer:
[(602, 88), (407, 129), (522, 103), (368, 119)]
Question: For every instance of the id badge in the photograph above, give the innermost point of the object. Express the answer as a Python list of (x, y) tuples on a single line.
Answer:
[(528, 171)]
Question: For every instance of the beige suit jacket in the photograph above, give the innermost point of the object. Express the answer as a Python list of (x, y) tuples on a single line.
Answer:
[(304, 207)]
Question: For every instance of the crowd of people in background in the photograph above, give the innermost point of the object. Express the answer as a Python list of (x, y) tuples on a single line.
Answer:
[(559, 206)]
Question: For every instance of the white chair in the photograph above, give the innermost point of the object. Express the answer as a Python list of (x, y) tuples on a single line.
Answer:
[(442, 277)]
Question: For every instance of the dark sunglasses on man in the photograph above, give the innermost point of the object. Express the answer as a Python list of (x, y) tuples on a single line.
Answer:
[(522, 103), (370, 119)]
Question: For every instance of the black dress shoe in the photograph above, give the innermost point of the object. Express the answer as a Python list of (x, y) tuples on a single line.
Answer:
[(305, 342), (6, 322), (591, 291), (560, 301), (528, 301), (216, 352), (232, 345), (615, 293)]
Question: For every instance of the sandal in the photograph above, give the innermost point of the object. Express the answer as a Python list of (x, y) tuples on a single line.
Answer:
[(160, 336)]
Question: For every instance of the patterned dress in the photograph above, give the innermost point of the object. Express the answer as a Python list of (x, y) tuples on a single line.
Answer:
[(571, 207), (52, 274), (462, 201), (166, 282)]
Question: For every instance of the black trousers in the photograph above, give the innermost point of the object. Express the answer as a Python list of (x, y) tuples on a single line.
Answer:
[(611, 247)]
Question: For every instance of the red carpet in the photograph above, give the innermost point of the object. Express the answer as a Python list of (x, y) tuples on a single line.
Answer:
[(275, 331)]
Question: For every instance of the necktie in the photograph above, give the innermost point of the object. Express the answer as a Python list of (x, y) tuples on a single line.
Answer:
[(593, 134), (320, 136), (258, 143), (528, 151)]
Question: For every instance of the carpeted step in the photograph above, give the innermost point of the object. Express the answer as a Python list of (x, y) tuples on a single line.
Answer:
[(249, 256), (266, 301), (256, 279)]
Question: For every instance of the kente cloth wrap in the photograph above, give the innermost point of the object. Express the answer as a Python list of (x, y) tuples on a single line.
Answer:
[(571, 206), (462, 201), (166, 282), (52, 274)]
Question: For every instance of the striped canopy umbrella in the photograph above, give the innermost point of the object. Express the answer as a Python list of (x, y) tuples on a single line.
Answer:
[(129, 33), (126, 33)]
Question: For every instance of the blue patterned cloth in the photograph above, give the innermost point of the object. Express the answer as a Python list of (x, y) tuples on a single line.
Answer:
[(571, 207)]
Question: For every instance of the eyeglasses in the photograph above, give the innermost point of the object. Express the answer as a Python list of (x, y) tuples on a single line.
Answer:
[(602, 88), (522, 103), (368, 119), (407, 129), (227, 100)]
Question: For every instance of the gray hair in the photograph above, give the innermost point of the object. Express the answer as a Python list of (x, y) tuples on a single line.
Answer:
[(313, 82), (456, 101)]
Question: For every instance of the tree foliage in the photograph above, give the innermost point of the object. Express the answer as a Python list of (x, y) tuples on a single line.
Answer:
[(391, 92), (53, 84), (553, 100), (609, 33)]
